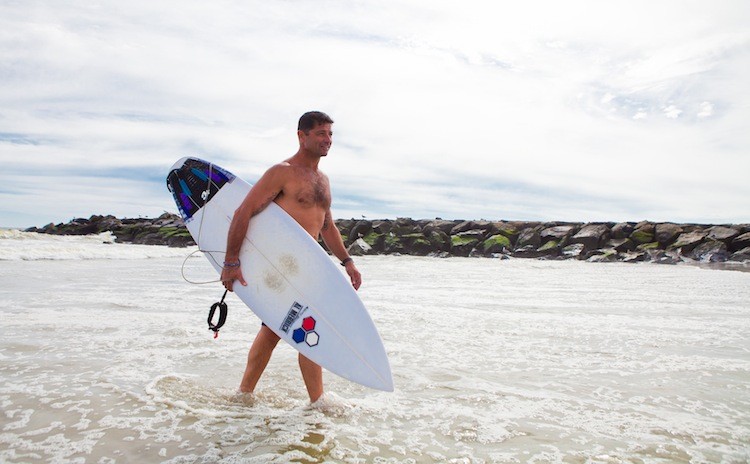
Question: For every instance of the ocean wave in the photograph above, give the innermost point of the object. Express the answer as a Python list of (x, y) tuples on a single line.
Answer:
[(16, 245)]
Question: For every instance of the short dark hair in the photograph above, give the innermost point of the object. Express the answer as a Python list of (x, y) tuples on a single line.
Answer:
[(311, 119)]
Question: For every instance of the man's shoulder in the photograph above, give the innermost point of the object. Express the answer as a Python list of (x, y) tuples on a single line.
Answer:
[(291, 169), (287, 174), (280, 169)]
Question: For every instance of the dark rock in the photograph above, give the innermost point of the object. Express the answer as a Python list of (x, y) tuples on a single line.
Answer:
[(359, 230), (485, 227), (645, 225), (382, 227), (627, 242), (663, 257), (393, 243), (687, 241), (441, 254), (676, 256), (741, 255), (462, 244), (557, 232), (633, 257), (711, 251), (165, 220), (125, 234), (693, 228), (622, 230), (666, 233), (499, 256), (180, 241), (497, 243), (528, 251), (422, 223), (439, 224), (722, 234), (549, 249), (621, 244), (345, 225), (474, 233), (643, 233), (149, 238), (439, 240), (521, 225), (603, 256), (376, 241), (507, 229), (655, 255), (478, 253), (405, 226), (83, 229), (529, 237), (740, 242), (591, 236), (573, 251), (648, 246), (416, 244), (359, 248)]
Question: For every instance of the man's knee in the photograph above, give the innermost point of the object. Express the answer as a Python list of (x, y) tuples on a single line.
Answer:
[(305, 362), (267, 336)]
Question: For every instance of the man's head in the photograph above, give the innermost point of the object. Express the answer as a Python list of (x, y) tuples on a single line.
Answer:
[(312, 119), (315, 134)]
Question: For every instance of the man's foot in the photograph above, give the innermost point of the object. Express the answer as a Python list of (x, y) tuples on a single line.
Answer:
[(246, 398)]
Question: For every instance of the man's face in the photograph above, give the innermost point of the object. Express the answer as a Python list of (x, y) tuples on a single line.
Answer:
[(318, 141)]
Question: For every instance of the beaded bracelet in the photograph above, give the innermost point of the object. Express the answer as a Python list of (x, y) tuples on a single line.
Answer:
[(227, 264)]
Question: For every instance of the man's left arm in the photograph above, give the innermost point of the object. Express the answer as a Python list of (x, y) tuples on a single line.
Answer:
[(332, 239)]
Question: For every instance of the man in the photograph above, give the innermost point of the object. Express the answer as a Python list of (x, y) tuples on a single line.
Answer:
[(298, 187)]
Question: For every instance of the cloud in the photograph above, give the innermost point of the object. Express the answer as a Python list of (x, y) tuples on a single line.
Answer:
[(576, 110), (706, 110)]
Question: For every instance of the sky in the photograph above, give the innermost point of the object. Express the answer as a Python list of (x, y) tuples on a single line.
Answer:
[(543, 110)]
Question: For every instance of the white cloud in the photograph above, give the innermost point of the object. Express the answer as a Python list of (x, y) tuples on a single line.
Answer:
[(440, 108), (672, 112), (706, 110)]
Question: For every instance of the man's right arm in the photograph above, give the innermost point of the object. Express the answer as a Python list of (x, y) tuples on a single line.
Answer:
[(261, 195)]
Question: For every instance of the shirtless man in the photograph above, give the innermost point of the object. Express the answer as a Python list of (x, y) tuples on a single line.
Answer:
[(304, 192)]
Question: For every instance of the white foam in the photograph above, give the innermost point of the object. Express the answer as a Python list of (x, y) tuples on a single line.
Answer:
[(493, 361), (16, 245)]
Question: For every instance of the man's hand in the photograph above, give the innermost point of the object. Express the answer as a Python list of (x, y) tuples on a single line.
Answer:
[(354, 275), (229, 275)]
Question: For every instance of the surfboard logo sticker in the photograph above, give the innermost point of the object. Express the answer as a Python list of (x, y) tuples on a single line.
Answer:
[(291, 316), (306, 333)]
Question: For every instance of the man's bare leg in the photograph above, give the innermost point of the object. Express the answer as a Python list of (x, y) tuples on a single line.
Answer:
[(257, 358), (313, 377)]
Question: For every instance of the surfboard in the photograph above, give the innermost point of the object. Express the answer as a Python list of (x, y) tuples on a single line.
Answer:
[(294, 286)]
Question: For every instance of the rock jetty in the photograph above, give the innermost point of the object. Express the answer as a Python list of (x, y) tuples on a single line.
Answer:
[(666, 243), (168, 229)]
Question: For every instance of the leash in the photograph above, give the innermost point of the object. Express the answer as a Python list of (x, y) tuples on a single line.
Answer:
[(222, 307)]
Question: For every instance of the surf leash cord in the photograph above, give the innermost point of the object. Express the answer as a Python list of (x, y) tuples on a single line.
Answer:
[(223, 310), (205, 195)]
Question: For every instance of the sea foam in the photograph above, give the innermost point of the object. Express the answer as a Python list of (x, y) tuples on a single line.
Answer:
[(108, 359), (16, 245)]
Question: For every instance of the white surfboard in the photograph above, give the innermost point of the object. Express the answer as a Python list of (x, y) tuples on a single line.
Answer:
[(294, 286)]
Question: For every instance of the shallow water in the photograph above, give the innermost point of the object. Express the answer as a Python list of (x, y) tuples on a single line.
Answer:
[(105, 357)]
